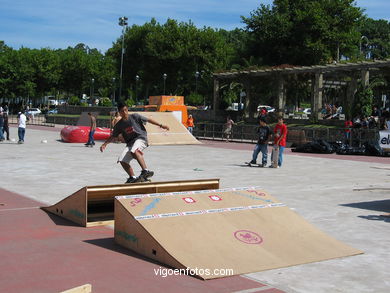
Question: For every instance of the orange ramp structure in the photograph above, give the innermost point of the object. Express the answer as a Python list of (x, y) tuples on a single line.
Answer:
[(220, 232), (170, 104), (94, 205)]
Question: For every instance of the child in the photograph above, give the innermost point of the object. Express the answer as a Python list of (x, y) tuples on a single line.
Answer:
[(190, 123), (134, 134), (264, 133), (280, 135)]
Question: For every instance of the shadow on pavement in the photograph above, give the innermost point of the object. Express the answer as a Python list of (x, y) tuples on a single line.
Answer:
[(378, 205)]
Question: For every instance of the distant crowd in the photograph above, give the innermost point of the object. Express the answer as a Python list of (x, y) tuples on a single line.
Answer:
[(377, 120)]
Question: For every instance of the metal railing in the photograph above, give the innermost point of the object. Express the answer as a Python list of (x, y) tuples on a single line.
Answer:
[(248, 133), (32, 120)]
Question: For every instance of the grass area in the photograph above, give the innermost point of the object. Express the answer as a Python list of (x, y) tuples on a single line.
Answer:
[(312, 126)]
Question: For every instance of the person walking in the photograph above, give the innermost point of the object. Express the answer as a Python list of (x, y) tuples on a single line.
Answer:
[(1, 125), (92, 129), (6, 125), (280, 136), (132, 128), (190, 123), (22, 120), (264, 134), (348, 125), (228, 128), (116, 118)]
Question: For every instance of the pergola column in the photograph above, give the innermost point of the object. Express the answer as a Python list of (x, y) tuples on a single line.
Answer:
[(352, 87), (365, 77), (318, 87), (216, 97), (281, 95), (248, 98)]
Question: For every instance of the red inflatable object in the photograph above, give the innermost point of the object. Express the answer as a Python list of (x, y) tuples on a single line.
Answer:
[(81, 133)]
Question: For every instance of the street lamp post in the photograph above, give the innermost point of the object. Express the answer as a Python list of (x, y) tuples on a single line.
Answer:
[(360, 44), (196, 81), (136, 88), (123, 24), (164, 78), (113, 90), (92, 90)]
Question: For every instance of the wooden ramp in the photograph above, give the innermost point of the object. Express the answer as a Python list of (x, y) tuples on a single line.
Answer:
[(94, 205), (177, 133), (215, 233)]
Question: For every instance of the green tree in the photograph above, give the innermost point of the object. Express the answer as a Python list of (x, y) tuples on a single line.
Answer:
[(176, 49), (364, 98), (194, 99), (74, 100), (363, 102), (105, 102), (375, 38), (303, 32), (129, 102)]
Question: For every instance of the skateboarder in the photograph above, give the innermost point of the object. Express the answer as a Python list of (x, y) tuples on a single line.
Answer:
[(134, 133), (262, 143), (280, 135)]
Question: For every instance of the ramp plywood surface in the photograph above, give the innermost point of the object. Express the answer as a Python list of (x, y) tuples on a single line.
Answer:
[(94, 205), (177, 133), (244, 230)]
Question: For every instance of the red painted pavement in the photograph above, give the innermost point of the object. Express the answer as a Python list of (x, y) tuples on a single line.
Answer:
[(43, 253)]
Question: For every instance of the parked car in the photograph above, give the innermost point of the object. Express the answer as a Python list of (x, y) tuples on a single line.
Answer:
[(33, 112), (236, 107), (269, 108), (52, 111), (307, 111)]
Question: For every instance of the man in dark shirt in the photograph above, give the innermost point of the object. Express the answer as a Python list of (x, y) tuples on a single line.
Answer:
[(132, 128), (92, 129), (264, 133), (6, 125)]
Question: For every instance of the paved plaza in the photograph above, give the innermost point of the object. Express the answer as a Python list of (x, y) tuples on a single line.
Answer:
[(343, 196)]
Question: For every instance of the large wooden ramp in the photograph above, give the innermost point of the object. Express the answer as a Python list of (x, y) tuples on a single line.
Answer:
[(177, 133), (94, 205), (221, 232)]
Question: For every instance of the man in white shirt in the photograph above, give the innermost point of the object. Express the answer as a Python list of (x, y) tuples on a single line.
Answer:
[(22, 119)]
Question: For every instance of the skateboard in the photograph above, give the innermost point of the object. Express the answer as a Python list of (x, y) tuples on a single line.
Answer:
[(253, 165), (140, 180), (275, 156)]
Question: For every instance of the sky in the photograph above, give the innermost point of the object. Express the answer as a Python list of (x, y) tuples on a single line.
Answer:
[(59, 24)]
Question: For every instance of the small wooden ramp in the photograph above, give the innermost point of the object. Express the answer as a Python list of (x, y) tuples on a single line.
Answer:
[(94, 205), (215, 233), (177, 133)]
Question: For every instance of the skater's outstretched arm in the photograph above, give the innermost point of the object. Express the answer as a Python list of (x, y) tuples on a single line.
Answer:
[(152, 121), (104, 145)]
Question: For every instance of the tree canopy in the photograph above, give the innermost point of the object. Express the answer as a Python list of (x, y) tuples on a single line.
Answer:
[(296, 32), (302, 32), (178, 50)]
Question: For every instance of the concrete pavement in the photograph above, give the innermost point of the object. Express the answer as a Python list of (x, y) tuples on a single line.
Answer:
[(342, 197)]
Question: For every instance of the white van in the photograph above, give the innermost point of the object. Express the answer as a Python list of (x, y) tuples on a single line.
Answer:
[(269, 108)]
